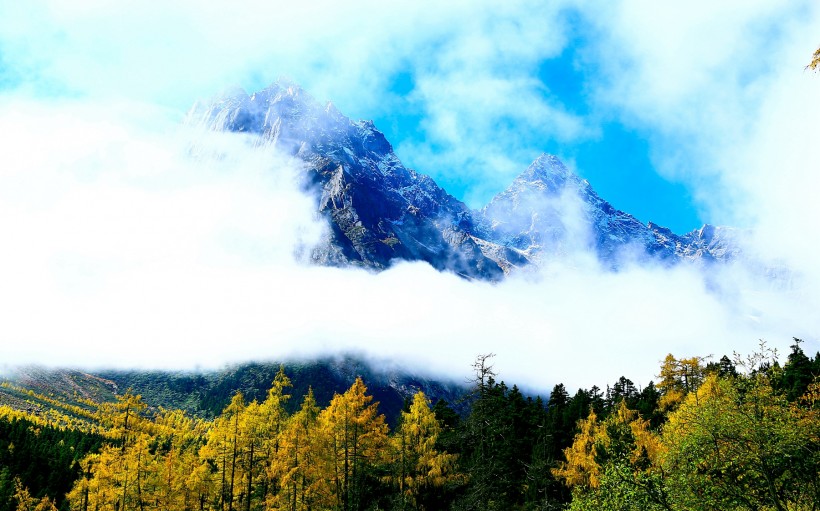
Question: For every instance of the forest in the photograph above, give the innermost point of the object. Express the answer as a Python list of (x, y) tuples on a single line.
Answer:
[(732, 434)]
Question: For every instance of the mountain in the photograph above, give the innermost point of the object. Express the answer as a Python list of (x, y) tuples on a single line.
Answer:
[(379, 211), (549, 211), (208, 392)]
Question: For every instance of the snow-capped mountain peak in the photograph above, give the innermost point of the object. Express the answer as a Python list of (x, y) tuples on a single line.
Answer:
[(379, 211), (549, 170)]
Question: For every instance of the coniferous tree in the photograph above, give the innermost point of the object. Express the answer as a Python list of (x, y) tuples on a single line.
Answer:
[(449, 439), (25, 502), (679, 377), (505, 445), (353, 436), (296, 462), (798, 373), (224, 449), (268, 427), (419, 469), (487, 451), (731, 443), (647, 405)]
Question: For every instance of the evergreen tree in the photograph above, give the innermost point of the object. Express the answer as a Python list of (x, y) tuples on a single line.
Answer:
[(449, 438), (647, 405), (798, 373), (487, 448)]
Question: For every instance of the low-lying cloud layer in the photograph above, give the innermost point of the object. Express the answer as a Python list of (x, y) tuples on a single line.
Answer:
[(126, 243), (129, 246)]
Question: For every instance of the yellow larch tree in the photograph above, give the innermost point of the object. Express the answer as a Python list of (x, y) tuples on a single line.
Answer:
[(25, 502), (353, 435), (121, 476), (178, 438), (124, 418), (140, 471), (679, 377), (249, 443), (224, 450), (100, 487), (296, 461), (580, 467), (200, 487), (814, 65), (271, 421), (417, 465), (613, 464)]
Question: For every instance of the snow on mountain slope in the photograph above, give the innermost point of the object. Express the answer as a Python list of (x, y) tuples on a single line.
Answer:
[(548, 211), (379, 211)]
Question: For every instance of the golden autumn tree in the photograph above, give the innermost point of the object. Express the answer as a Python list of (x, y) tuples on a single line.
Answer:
[(679, 377), (270, 421), (580, 467), (296, 463), (121, 476), (612, 464), (417, 465), (25, 502), (178, 439), (253, 432), (101, 486), (815, 61), (353, 436), (80, 493), (148, 466), (224, 450), (138, 470), (251, 437), (242, 444), (200, 486), (124, 418)]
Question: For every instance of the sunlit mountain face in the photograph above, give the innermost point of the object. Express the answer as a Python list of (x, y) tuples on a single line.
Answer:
[(378, 211)]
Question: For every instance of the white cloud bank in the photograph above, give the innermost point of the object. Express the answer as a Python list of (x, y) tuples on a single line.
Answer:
[(120, 249), (123, 248), (472, 66)]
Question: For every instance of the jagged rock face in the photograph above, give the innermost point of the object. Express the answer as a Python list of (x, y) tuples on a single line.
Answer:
[(379, 211), (710, 242), (548, 211)]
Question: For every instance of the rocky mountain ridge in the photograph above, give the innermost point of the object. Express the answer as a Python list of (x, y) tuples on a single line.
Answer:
[(378, 211)]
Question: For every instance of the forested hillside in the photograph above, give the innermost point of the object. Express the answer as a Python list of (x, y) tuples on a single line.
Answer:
[(206, 393), (740, 433)]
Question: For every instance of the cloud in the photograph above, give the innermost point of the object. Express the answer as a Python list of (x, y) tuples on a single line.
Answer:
[(125, 247), (484, 127), (117, 238), (698, 80), (482, 114), (722, 95)]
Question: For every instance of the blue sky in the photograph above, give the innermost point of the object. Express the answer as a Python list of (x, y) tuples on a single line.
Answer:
[(468, 94), (678, 113), (615, 158)]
